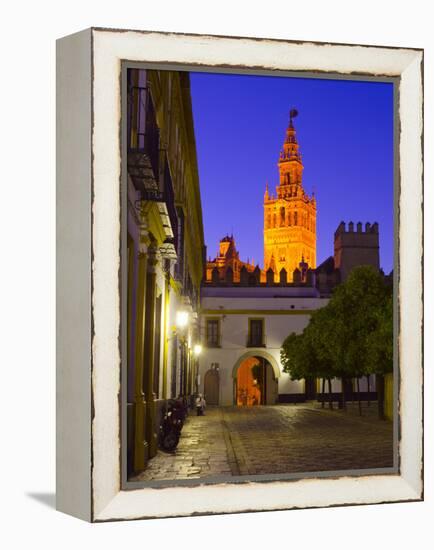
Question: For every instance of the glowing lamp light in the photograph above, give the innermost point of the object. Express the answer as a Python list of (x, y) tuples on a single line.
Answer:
[(197, 349), (181, 319)]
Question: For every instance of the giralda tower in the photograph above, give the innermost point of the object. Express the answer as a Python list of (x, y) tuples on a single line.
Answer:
[(290, 216)]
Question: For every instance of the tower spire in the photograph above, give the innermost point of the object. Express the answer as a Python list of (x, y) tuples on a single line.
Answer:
[(290, 217), (267, 194), (290, 151)]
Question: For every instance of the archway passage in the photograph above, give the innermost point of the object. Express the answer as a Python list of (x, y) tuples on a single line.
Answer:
[(212, 387), (256, 383)]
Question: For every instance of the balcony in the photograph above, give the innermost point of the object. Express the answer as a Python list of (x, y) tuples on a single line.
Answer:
[(213, 336), (255, 343), (143, 144), (190, 293), (213, 344)]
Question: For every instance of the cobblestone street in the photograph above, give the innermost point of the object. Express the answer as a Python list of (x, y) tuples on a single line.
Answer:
[(274, 440)]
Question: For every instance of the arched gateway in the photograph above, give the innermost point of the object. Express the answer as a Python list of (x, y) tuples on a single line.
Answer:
[(255, 377)]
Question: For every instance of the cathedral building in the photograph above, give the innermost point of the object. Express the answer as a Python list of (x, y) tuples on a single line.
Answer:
[(290, 215), (228, 258), (289, 226)]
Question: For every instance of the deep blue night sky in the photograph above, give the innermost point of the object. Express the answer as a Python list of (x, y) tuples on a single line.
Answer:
[(345, 132)]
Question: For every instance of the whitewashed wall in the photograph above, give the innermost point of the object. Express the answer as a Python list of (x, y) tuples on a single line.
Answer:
[(234, 332)]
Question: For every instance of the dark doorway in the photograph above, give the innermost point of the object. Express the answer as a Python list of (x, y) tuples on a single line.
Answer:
[(212, 387)]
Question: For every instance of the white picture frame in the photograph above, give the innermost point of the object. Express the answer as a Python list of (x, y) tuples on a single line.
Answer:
[(88, 266)]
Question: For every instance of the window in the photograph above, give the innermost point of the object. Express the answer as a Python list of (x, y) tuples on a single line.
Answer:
[(213, 333), (143, 131), (256, 333)]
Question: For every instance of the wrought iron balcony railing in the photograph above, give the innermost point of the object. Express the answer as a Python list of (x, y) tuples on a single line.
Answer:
[(255, 343), (143, 143)]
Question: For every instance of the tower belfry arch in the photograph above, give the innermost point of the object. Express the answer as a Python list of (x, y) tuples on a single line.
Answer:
[(290, 214)]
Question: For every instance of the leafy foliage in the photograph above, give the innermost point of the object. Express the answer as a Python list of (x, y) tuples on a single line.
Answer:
[(350, 337), (379, 358)]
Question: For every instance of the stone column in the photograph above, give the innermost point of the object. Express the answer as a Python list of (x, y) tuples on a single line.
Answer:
[(166, 330), (148, 359), (141, 450), (189, 371), (181, 349)]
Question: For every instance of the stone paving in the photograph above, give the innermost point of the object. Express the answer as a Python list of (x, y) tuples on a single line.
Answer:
[(274, 440), (203, 451)]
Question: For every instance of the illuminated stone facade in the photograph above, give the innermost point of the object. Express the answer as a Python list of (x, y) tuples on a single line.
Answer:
[(290, 216), (228, 258)]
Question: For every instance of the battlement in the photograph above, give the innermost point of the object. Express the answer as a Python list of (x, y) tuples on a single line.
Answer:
[(259, 278), (342, 228), (356, 246)]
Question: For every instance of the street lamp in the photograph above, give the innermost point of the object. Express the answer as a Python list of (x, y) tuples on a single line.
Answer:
[(182, 319), (197, 349)]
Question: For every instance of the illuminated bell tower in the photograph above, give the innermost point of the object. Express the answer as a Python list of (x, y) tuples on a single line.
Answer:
[(290, 216)]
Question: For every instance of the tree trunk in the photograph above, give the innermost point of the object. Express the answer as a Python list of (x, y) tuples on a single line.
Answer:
[(358, 396), (323, 393), (330, 394), (344, 398), (368, 380), (380, 395)]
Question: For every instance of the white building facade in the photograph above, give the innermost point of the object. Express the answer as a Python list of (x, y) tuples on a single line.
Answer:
[(247, 326)]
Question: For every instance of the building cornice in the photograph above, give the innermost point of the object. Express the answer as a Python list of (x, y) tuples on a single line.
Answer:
[(257, 311)]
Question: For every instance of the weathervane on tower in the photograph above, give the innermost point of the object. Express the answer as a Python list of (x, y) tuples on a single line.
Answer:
[(292, 114)]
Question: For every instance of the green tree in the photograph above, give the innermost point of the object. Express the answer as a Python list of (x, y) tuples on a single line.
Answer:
[(322, 335), (357, 303), (291, 357), (350, 337), (379, 358), (305, 355)]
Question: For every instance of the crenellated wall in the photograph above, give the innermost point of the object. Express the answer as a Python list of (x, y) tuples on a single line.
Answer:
[(303, 276), (355, 245)]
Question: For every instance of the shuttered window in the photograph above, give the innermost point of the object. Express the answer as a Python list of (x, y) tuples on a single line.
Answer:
[(212, 333)]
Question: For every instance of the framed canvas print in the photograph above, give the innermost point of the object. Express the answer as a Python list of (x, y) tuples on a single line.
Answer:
[(239, 274)]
